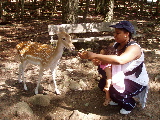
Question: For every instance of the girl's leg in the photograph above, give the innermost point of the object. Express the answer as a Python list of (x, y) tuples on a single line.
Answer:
[(108, 99)]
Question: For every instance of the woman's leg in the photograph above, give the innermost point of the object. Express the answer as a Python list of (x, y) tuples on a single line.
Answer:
[(125, 99)]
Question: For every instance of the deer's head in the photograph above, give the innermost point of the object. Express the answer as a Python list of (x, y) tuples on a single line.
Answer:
[(65, 39)]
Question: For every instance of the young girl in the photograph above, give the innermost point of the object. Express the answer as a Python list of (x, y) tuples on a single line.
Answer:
[(103, 66)]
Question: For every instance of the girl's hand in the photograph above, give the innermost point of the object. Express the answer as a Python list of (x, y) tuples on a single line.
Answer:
[(106, 89), (96, 62)]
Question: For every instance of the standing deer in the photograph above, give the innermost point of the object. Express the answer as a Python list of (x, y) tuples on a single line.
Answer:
[(46, 56)]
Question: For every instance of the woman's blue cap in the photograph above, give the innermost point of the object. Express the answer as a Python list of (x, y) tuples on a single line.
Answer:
[(126, 25)]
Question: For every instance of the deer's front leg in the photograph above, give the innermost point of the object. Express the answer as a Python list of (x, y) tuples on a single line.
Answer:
[(20, 73), (24, 81), (39, 80), (54, 82)]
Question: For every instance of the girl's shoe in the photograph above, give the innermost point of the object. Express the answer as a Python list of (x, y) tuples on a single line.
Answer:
[(123, 111), (113, 103)]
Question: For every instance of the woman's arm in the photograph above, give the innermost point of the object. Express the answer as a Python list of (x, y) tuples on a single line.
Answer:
[(131, 53)]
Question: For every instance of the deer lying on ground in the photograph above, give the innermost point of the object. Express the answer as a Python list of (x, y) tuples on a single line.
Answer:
[(46, 56)]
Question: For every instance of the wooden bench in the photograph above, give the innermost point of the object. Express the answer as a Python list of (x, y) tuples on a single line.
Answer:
[(87, 28)]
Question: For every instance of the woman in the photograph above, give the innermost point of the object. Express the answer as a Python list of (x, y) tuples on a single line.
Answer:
[(129, 75)]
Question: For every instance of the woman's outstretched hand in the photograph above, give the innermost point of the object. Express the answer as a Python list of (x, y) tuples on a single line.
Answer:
[(86, 55)]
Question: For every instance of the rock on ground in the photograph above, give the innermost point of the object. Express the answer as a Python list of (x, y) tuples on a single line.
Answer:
[(81, 116), (22, 110), (39, 99)]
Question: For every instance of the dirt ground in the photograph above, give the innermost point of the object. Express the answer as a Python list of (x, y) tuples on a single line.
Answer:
[(85, 98)]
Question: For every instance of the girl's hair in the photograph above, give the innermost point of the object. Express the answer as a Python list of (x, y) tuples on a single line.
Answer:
[(109, 50)]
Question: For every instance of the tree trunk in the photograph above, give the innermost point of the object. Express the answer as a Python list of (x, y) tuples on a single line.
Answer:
[(98, 6), (70, 11), (86, 10), (22, 8), (54, 2), (101, 6), (34, 2), (156, 14), (157, 7), (1, 10), (109, 15), (124, 3), (141, 6), (17, 8)]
